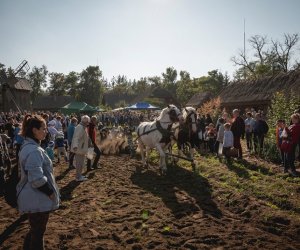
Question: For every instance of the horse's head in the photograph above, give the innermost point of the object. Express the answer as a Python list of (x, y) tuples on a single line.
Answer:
[(190, 118), (174, 113)]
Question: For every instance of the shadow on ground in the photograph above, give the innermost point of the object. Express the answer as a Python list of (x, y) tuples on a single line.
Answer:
[(177, 183)]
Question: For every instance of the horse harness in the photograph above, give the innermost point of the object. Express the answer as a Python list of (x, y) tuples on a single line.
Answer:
[(166, 133)]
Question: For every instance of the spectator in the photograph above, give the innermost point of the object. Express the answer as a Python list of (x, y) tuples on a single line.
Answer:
[(238, 131), (9, 129), (280, 126), (79, 146), (260, 129), (18, 140), (58, 124), (38, 192), (70, 133), (212, 134), (208, 120), (92, 134), (294, 131), (220, 135), (60, 146), (50, 150), (249, 123), (52, 130), (228, 141)]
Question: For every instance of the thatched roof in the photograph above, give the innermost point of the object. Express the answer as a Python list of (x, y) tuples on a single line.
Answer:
[(198, 99), (51, 103), (260, 91)]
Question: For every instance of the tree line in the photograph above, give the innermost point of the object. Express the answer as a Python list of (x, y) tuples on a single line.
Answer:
[(264, 58)]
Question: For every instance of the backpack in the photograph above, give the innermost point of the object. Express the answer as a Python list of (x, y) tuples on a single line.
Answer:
[(9, 188)]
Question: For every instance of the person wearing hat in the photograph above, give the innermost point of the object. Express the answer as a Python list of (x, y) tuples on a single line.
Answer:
[(238, 130)]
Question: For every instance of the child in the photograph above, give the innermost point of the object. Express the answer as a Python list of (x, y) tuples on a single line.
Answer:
[(60, 144), (206, 138), (211, 137), (279, 129), (220, 135), (50, 150), (227, 141)]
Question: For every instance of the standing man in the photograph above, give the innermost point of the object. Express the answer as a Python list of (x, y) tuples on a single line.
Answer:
[(79, 146), (260, 129), (238, 130), (92, 135)]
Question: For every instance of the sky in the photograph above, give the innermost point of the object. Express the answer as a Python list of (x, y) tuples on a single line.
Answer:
[(138, 38)]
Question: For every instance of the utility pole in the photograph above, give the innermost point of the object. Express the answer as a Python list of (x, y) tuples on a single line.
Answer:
[(244, 46)]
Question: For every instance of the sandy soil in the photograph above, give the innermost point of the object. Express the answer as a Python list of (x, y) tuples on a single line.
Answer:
[(123, 206)]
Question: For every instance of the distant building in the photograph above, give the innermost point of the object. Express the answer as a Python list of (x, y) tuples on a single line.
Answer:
[(15, 95), (199, 99), (258, 93), (51, 103)]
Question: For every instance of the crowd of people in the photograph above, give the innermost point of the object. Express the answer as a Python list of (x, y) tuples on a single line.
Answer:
[(225, 136), (38, 141)]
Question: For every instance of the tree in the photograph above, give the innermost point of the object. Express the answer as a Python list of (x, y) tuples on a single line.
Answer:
[(38, 80), (169, 79), (90, 87), (185, 87), (267, 58), (72, 84), (283, 50), (57, 84)]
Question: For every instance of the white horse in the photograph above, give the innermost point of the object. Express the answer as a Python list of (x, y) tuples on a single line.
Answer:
[(186, 133), (157, 134)]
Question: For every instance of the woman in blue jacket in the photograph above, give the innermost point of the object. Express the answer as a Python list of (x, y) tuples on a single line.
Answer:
[(37, 191)]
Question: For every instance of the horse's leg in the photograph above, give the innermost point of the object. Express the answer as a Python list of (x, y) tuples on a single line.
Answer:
[(147, 155), (142, 150), (162, 161)]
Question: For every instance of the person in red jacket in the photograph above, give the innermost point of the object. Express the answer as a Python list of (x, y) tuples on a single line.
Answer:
[(238, 130), (294, 131), (92, 134)]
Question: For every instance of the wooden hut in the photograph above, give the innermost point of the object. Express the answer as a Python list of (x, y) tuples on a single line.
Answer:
[(15, 95), (258, 93), (199, 99)]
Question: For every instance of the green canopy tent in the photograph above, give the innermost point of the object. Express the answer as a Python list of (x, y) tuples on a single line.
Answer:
[(77, 107)]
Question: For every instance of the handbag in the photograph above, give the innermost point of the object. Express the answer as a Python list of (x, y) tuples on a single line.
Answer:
[(233, 152), (90, 153)]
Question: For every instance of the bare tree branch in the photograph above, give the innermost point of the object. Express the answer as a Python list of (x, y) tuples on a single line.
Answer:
[(258, 43)]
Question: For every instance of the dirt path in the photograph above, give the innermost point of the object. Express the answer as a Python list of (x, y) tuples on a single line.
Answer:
[(122, 206)]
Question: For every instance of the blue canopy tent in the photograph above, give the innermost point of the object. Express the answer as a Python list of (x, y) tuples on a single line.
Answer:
[(142, 106)]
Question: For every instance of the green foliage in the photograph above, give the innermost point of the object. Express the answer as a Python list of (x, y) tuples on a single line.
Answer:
[(282, 107), (91, 87), (38, 80)]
